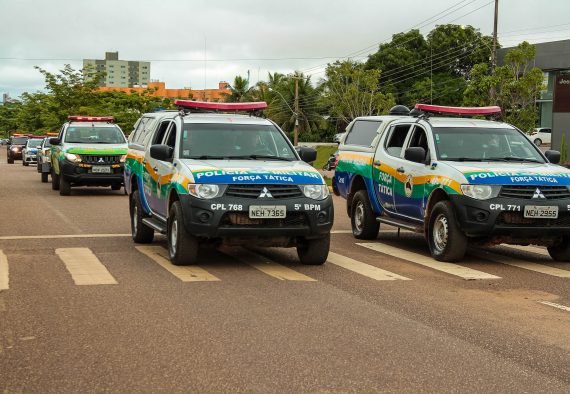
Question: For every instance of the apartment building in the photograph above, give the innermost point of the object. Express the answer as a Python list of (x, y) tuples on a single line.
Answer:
[(119, 73)]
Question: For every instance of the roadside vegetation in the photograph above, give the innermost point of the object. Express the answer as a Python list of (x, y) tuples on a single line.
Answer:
[(448, 66)]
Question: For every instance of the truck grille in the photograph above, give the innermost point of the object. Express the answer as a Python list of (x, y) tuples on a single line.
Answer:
[(255, 191), (527, 192), (101, 159), (518, 219), (234, 219)]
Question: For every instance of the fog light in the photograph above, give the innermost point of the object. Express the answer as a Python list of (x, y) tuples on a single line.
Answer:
[(322, 217), (204, 217)]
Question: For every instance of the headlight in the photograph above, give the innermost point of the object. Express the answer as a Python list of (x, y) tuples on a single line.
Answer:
[(73, 157), (480, 192), (204, 191), (123, 158), (316, 192), (15, 148)]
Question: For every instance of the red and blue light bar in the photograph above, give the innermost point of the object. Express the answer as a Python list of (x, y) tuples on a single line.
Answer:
[(77, 118), (226, 107), (441, 109)]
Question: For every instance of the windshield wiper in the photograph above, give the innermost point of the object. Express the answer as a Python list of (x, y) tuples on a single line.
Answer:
[(208, 157), (463, 159), (512, 158), (256, 157)]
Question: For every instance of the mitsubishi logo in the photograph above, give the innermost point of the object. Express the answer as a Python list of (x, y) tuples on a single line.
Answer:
[(538, 194), (265, 193), (100, 160)]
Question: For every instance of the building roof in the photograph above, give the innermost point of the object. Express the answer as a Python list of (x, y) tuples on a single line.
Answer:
[(553, 55)]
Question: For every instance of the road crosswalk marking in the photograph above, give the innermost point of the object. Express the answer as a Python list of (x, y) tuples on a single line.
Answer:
[(84, 267), (271, 268), (527, 265), (427, 261), (62, 236), (187, 273), (4, 279), (532, 249), (364, 269), (555, 305)]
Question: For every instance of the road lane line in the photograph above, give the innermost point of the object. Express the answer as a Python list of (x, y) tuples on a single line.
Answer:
[(18, 237), (532, 249), (555, 305), (271, 268), (427, 261), (187, 273), (341, 232), (4, 278), (84, 267), (524, 264), (367, 270)]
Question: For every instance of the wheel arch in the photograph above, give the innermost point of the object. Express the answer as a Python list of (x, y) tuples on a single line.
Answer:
[(357, 183), (436, 196)]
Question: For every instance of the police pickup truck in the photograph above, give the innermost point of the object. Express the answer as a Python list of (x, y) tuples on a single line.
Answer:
[(455, 179), (89, 151), (202, 176)]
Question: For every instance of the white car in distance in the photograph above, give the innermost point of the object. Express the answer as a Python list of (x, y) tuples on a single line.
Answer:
[(541, 135)]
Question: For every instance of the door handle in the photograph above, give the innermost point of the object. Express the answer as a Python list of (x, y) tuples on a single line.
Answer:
[(401, 170), (155, 169), (377, 163)]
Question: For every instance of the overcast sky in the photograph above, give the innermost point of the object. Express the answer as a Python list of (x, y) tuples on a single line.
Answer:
[(238, 35)]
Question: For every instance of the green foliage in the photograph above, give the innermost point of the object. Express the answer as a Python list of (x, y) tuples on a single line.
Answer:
[(323, 154), (350, 90), (517, 85), (240, 91)]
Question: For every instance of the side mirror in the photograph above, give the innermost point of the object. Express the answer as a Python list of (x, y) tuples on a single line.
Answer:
[(54, 141), (553, 156), (161, 152), (415, 154), (308, 155)]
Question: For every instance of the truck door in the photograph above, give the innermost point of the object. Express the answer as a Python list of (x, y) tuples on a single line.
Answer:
[(151, 168), (164, 172), (385, 165), (411, 201)]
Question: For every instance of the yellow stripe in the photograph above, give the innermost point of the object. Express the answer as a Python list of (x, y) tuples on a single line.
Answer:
[(184, 273), (84, 267), (420, 180), (4, 279), (355, 157)]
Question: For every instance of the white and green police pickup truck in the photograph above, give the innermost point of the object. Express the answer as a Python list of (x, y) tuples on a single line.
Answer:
[(89, 151), (457, 180), (202, 176)]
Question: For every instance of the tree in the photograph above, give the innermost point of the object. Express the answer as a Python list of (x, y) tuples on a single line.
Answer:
[(517, 85), (351, 91), (240, 91)]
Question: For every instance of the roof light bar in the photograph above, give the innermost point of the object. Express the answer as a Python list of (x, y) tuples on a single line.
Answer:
[(76, 118), (441, 109), (226, 107)]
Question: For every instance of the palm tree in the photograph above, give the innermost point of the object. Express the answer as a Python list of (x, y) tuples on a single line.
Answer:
[(240, 91)]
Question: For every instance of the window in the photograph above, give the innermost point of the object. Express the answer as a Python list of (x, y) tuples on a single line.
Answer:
[(396, 138), (139, 132), (419, 139), (170, 139), (362, 133), (162, 129)]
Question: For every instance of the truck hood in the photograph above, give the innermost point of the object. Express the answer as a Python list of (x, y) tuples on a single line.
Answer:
[(96, 149), (253, 172), (513, 173)]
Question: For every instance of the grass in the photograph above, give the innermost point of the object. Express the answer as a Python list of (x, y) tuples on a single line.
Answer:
[(323, 154)]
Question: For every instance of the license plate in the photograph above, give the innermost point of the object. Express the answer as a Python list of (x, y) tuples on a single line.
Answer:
[(267, 211), (101, 170), (541, 212)]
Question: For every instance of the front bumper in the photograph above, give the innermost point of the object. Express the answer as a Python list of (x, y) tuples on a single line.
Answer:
[(81, 174), (31, 159), (16, 155), (505, 217), (229, 217)]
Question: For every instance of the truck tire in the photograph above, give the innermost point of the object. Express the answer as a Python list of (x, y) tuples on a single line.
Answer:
[(362, 217), (10, 161), (182, 246), (560, 251), (538, 142), (140, 232), (44, 177), (116, 186), (54, 180), (64, 186), (314, 251), (446, 240)]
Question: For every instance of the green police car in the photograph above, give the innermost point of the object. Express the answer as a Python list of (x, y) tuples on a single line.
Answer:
[(89, 151)]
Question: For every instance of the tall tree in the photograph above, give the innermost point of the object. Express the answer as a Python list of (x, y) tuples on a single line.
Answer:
[(240, 90), (517, 85)]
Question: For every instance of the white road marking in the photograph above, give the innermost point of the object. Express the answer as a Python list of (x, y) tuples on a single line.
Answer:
[(532, 249), (341, 232), (427, 261), (527, 265), (188, 273), (271, 268), (555, 305), (84, 267), (367, 270), (16, 237), (4, 278)]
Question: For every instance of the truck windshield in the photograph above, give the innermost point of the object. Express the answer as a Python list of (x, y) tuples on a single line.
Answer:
[(34, 143), (484, 144), (19, 141), (94, 135), (234, 141)]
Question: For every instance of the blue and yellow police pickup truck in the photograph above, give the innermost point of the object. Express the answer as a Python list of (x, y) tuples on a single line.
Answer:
[(208, 175), (458, 180)]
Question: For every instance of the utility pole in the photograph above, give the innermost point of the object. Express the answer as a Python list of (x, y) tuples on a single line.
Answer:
[(296, 129), (494, 51)]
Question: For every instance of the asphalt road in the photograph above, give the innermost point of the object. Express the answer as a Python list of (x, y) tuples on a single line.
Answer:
[(83, 309)]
